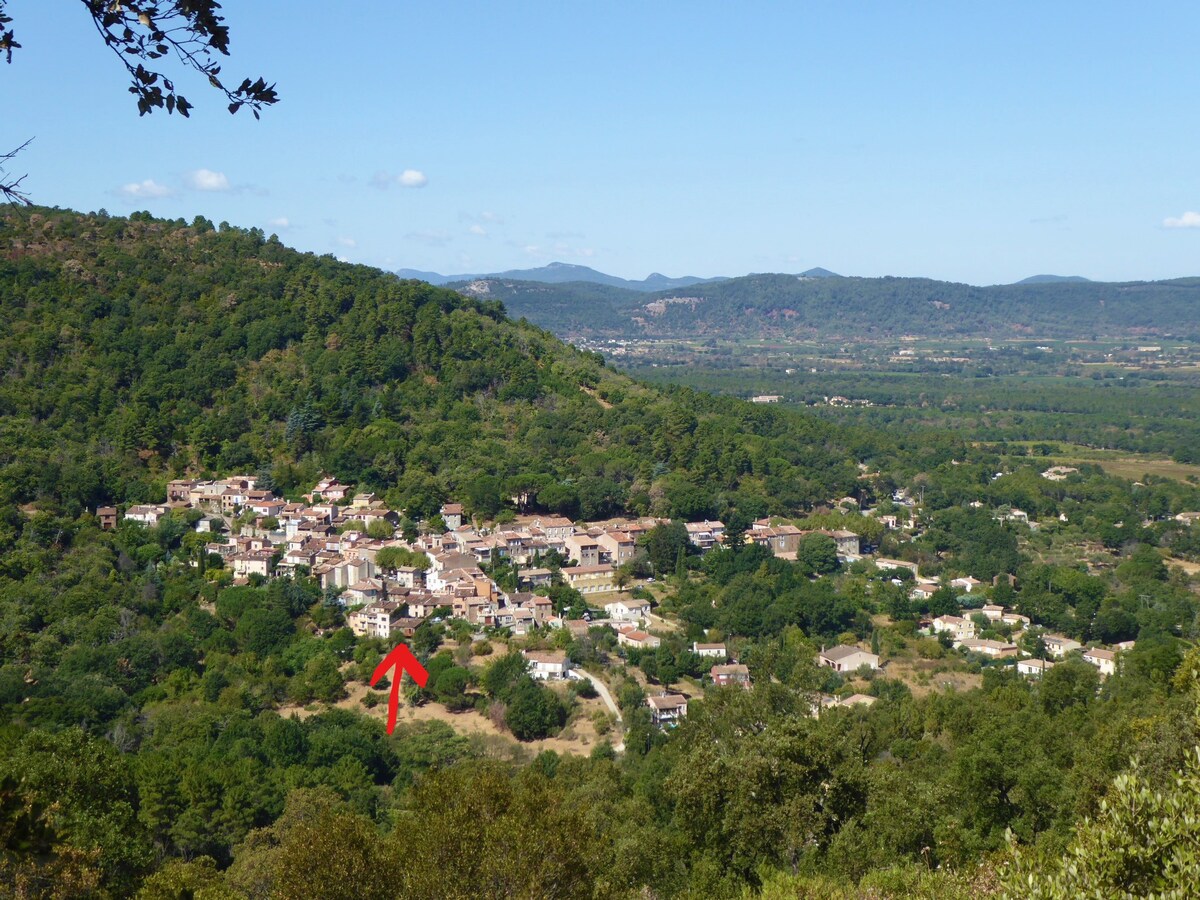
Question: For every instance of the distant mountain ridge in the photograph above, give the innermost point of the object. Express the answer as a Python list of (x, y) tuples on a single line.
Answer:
[(1052, 279), (810, 305), (561, 273)]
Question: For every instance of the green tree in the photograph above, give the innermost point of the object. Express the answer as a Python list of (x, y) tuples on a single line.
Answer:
[(1144, 564), (194, 878), (503, 674), (663, 544), (737, 523), (319, 840), (380, 530), (1144, 842), (451, 688), (67, 805), (1031, 642), (533, 711), (944, 602), (264, 630), (817, 553), (507, 816), (1071, 682), (392, 558), (320, 680)]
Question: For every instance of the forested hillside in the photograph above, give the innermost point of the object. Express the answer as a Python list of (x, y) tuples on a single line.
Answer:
[(169, 730), (862, 308), (578, 308), (135, 350)]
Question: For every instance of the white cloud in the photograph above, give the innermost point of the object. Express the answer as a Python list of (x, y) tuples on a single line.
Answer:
[(207, 180), (409, 178), (478, 229), (142, 190), (432, 238), (1189, 219), (281, 222), (347, 242)]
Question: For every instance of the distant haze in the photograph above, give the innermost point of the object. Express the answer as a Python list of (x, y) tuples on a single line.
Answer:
[(563, 273)]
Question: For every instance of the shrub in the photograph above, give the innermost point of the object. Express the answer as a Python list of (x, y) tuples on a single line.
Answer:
[(930, 649), (497, 712), (584, 688), (534, 711)]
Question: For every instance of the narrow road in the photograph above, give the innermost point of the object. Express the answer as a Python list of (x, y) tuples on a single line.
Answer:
[(602, 690)]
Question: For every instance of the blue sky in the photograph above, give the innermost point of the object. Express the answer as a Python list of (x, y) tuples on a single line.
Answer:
[(979, 145)]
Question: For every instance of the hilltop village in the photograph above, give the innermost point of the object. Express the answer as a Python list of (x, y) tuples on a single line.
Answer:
[(388, 577)]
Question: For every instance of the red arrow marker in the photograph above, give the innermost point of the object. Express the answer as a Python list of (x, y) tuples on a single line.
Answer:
[(402, 660)]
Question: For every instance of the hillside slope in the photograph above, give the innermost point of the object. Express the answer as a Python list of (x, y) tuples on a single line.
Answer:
[(138, 349), (573, 308)]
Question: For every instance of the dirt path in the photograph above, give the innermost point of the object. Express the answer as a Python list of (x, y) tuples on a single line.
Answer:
[(595, 395), (602, 690)]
